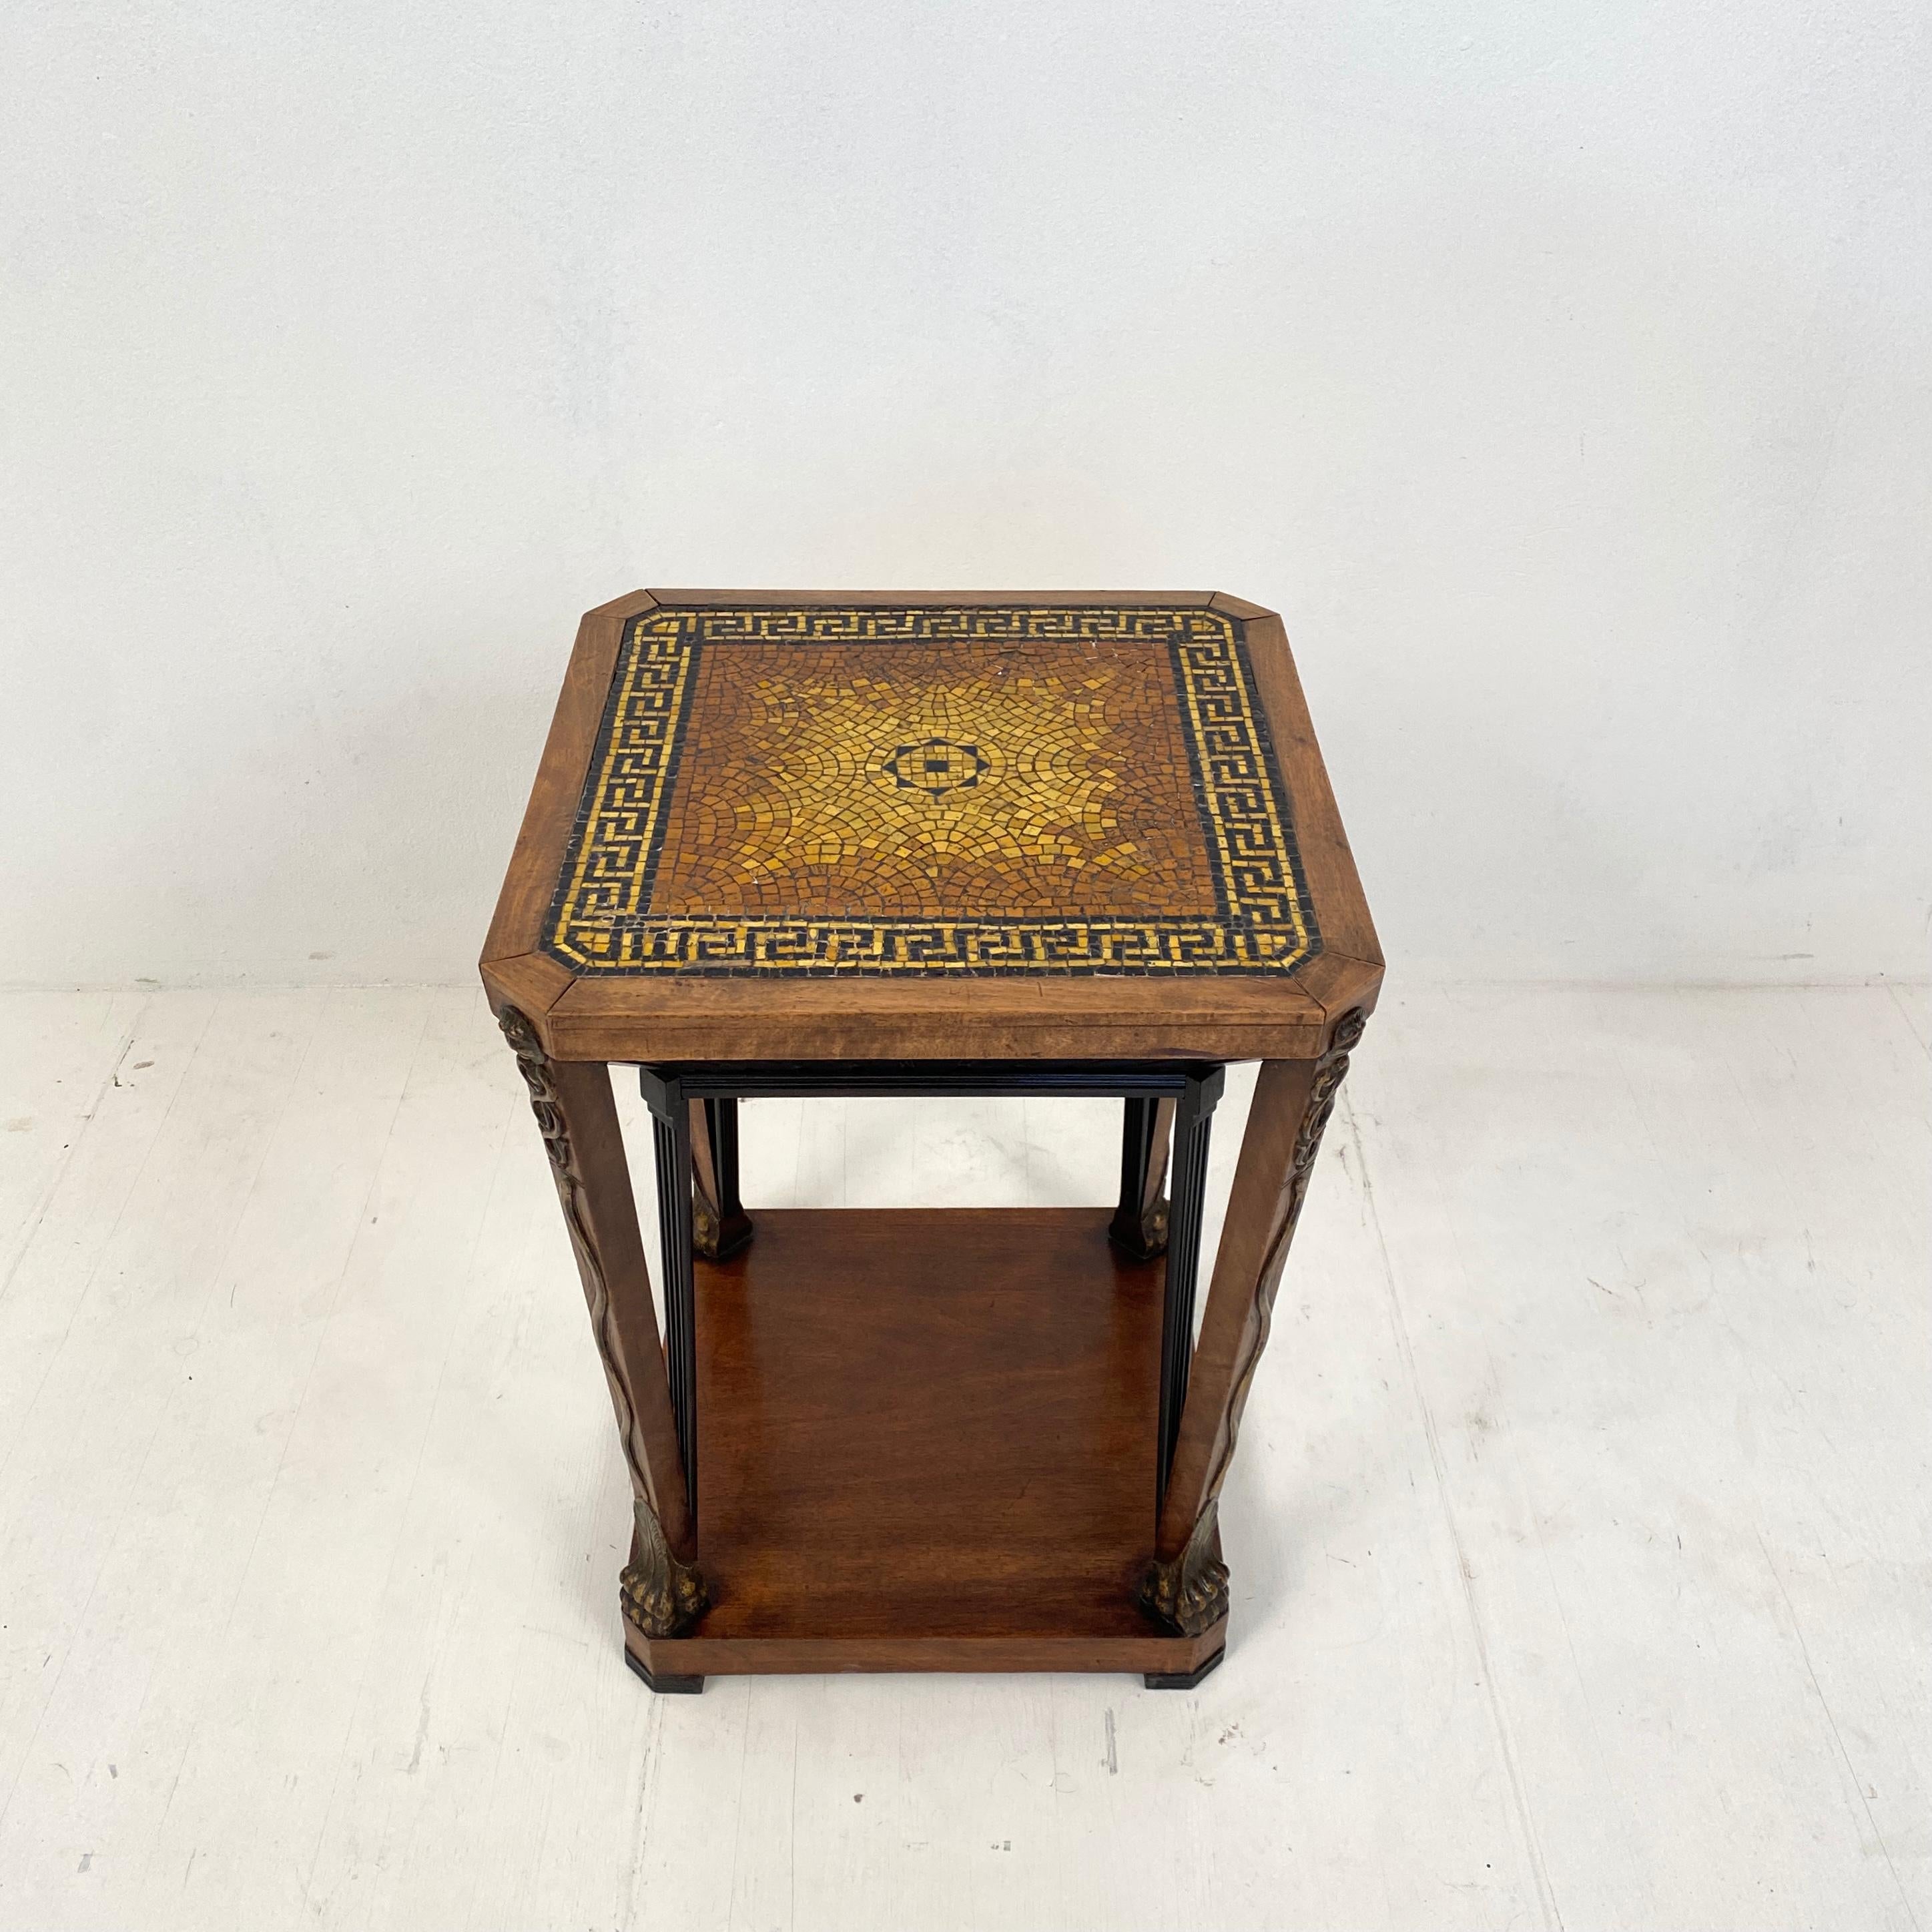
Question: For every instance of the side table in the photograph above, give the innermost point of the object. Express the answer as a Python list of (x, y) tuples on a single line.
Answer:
[(811, 844)]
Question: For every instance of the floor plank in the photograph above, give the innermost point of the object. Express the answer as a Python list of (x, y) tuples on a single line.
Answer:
[(63, 1049), (1581, 1536), (1636, 1368)]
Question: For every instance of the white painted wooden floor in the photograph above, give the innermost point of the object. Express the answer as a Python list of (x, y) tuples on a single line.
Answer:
[(1583, 1568)]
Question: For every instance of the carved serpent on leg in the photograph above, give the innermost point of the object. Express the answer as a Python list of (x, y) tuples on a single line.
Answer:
[(1190, 1593), (661, 1596)]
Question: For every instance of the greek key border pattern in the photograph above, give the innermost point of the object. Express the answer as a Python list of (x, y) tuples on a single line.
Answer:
[(600, 922)]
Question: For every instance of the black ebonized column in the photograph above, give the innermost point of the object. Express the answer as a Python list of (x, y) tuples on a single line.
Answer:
[(1193, 1115), (670, 1121)]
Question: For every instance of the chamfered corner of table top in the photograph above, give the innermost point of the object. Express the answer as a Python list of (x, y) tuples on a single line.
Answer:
[(890, 824)]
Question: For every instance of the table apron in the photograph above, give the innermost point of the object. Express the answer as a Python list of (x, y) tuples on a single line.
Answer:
[(868, 1079)]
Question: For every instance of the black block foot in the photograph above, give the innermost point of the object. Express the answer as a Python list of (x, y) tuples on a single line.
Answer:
[(734, 1237), (664, 1685), (1181, 1680), (1132, 1241)]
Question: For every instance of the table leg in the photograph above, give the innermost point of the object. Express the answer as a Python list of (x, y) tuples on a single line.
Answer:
[(719, 1226), (1139, 1228), (662, 1589), (1187, 1586)]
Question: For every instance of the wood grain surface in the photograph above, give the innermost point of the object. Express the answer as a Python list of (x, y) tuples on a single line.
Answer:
[(927, 1435)]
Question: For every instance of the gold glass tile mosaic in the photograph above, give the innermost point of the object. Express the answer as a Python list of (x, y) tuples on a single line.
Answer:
[(933, 790)]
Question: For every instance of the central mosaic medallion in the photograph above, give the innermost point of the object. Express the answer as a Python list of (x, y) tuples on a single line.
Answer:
[(937, 766), (977, 789)]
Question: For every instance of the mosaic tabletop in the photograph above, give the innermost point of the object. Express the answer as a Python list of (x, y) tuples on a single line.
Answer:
[(932, 790)]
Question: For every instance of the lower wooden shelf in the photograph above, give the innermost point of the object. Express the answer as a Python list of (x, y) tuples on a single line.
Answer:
[(926, 1442)]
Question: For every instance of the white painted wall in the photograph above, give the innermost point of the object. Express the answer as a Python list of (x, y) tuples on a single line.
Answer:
[(1561, 372)]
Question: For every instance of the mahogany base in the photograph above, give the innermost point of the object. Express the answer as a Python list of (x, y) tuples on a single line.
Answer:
[(927, 1443)]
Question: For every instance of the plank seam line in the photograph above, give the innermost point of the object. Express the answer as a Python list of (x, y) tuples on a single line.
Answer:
[(509, 1115), (1893, 992), (31, 1225), (1831, 1722), (1520, 1796)]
